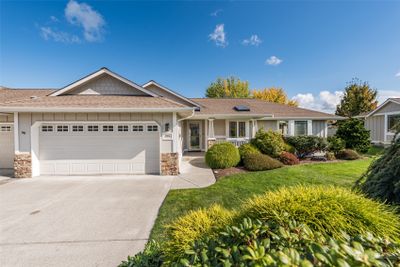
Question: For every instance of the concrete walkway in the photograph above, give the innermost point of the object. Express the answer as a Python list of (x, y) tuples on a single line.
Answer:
[(194, 173)]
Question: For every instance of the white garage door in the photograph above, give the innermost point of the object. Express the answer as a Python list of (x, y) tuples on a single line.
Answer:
[(6, 146), (88, 149)]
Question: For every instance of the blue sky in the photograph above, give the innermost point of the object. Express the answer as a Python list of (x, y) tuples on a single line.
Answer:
[(311, 49)]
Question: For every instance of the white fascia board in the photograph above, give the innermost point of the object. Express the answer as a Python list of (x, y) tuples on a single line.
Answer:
[(230, 116), (99, 110), (381, 106), (171, 92), (96, 74)]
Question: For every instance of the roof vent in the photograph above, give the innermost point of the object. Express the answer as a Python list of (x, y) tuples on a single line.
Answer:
[(197, 109), (241, 108), (34, 97)]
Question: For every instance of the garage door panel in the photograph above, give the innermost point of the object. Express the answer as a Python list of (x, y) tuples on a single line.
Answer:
[(6, 146)]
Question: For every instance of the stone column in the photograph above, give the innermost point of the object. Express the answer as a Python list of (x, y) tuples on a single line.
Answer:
[(22, 165), (169, 163)]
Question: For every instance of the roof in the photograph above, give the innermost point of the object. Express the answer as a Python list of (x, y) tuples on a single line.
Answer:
[(395, 99), (392, 99), (8, 94), (226, 106)]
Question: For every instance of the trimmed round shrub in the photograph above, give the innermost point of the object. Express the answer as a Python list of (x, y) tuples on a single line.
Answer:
[(260, 162), (288, 158), (223, 155), (269, 142), (196, 224), (353, 132), (305, 145), (347, 154), (330, 156), (289, 148), (247, 149), (336, 144)]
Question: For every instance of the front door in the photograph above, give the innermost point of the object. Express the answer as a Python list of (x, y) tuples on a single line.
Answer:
[(194, 136)]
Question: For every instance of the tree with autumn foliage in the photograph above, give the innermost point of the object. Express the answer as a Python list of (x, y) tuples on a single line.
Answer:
[(274, 94), (358, 98), (229, 87)]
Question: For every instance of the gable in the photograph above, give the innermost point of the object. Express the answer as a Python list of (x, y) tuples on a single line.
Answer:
[(105, 85), (389, 106)]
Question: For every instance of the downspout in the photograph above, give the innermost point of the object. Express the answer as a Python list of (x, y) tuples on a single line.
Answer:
[(188, 117)]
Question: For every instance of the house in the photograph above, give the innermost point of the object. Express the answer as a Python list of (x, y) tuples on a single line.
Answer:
[(382, 120), (107, 124)]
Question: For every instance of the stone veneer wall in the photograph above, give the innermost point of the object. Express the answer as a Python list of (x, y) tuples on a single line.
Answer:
[(169, 163), (22, 165)]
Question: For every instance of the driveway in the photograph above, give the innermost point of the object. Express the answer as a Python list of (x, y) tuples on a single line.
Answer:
[(77, 221)]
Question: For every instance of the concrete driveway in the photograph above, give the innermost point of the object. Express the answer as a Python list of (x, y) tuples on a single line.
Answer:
[(77, 221)]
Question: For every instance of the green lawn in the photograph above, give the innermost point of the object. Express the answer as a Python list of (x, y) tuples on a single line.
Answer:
[(232, 190)]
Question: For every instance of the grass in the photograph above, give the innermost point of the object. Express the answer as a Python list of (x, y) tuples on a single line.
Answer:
[(375, 151), (231, 191)]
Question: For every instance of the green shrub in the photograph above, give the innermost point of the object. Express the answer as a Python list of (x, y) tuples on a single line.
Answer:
[(152, 255), (288, 158), (256, 243), (289, 148), (330, 156), (269, 142), (260, 162), (382, 180), (192, 226), (353, 132), (328, 210), (336, 144), (307, 145), (223, 155), (246, 149), (348, 154)]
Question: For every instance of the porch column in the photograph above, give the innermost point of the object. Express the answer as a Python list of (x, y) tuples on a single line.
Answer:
[(291, 128), (254, 127), (210, 133), (309, 127)]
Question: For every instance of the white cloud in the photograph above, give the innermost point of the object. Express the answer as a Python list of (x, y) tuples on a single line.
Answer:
[(385, 94), (273, 60), (58, 36), (253, 40), (397, 75), (215, 13), (219, 36), (83, 15), (325, 101), (54, 19)]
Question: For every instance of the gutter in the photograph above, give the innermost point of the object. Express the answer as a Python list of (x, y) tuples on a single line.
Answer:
[(99, 110), (188, 117)]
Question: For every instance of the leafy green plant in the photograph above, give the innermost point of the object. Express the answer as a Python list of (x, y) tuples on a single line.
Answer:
[(152, 255), (336, 144), (289, 148), (347, 154), (247, 149), (353, 132), (330, 156), (306, 145), (382, 180), (288, 158), (222, 155), (260, 162), (269, 142)]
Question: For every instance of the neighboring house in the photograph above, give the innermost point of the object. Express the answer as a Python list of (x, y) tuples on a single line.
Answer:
[(106, 124), (382, 120)]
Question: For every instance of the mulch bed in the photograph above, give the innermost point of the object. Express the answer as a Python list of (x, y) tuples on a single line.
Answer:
[(219, 173)]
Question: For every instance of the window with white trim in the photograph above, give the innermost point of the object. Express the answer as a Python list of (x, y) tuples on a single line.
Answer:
[(300, 128), (137, 128), (47, 128), (5, 128), (93, 128), (237, 129), (108, 128), (62, 128), (152, 128), (77, 128), (283, 127), (393, 122), (123, 128)]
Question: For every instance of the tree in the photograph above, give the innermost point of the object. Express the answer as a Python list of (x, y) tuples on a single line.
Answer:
[(353, 132), (274, 94), (229, 87), (358, 98)]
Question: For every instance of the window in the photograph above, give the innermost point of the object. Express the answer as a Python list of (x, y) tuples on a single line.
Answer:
[(47, 128), (108, 128), (393, 121), (237, 129), (123, 128), (93, 128), (300, 128), (62, 128), (166, 127), (283, 127), (137, 128), (77, 128), (5, 128), (152, 128)]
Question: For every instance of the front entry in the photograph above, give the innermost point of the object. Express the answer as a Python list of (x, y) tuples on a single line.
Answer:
[(195, 136)]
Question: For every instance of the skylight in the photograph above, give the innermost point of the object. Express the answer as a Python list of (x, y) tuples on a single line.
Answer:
[(241, 108)]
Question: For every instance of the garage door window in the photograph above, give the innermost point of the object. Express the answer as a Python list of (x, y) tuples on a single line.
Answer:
[(137, 128), (47, 128), (77, 128), (93, 128), (123, 128), (5, 128), (152, 128), (108, 128), (62, 128)]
